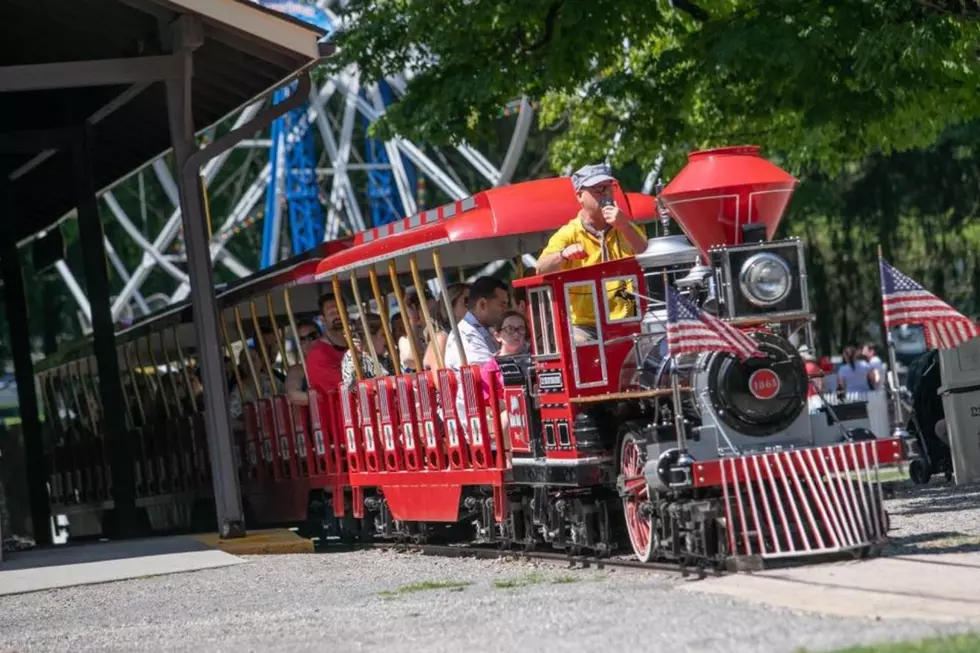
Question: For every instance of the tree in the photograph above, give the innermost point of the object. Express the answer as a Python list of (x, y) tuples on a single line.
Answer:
[(922, 207), (818, 83)]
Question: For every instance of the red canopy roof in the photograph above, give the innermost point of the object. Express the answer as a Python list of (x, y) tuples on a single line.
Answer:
[(495, 224)]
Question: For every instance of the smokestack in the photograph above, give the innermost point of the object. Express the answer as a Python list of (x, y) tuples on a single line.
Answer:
[(720, 191)]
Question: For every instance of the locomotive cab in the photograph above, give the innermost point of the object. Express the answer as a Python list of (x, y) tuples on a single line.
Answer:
[(571, 384)]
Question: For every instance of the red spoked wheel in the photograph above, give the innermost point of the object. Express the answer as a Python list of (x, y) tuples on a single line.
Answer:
[(640, 526)]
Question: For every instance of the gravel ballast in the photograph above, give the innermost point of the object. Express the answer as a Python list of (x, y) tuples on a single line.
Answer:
[(937, 518), (393, 602)]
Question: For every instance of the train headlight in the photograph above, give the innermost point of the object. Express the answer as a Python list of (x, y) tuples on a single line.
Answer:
[(765, 279)]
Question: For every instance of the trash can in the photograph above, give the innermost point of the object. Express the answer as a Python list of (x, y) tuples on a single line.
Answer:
[(960, 390)]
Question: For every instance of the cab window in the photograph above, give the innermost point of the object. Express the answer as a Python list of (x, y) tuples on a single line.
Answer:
[(542, 322), (620, 302)]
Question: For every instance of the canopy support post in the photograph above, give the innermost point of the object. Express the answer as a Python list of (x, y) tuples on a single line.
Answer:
[(15, 298), (217, 418), (117, 440)]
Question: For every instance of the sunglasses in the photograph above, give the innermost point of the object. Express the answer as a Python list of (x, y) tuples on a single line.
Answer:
[(309, 337)]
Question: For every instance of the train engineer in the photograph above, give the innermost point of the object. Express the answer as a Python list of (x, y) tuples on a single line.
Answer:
[(600, 232)]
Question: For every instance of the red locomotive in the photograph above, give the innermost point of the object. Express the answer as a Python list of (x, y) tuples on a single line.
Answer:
[(701, 458)]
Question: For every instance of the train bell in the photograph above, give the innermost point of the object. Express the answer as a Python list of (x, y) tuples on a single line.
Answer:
[(696, 277)]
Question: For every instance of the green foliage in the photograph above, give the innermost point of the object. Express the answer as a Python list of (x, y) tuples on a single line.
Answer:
[(968, 643), (922, 207), (817, 83)]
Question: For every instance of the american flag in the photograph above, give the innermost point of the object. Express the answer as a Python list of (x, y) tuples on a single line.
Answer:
[(691, 330), (906, 302)]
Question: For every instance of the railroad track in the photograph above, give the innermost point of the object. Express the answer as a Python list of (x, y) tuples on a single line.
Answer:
[(549, 557)]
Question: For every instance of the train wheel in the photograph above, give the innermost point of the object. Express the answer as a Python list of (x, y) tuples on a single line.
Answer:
[(639, 524)]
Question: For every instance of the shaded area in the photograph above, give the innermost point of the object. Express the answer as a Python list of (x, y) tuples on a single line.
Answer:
[(74, 554)]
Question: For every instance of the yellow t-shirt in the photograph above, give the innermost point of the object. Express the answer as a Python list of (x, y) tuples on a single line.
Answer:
[(617, 247)]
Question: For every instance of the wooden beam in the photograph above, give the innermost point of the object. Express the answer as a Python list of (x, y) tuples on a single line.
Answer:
[(75, 74)]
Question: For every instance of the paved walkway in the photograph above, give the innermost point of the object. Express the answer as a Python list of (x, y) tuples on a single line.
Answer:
[(937, 587), (103, 562)]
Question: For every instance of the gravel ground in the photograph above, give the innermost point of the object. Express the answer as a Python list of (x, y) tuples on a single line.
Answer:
[(939, 518), (384, 601)]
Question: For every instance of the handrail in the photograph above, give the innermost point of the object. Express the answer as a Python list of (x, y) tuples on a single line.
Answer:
[(635, 394)]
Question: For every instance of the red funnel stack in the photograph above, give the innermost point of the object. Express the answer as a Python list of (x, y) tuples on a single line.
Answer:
[(721, 190)]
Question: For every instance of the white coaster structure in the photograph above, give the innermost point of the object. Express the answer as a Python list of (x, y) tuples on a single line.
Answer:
[(338, 183)]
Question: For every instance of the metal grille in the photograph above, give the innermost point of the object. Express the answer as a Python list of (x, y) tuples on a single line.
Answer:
[(803, 502)]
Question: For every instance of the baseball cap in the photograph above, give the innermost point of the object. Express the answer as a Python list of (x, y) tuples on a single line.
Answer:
[(588, 176)]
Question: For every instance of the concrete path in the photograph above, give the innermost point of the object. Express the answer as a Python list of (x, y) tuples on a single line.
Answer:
[(103, 562), (938, 587)]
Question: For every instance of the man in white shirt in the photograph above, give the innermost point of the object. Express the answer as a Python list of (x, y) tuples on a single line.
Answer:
[(489, 300)]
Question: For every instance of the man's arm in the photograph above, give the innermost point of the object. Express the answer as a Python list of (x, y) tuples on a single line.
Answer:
[(294, 386), (549, 263), (634, 235), (551, 256), (616, 219)]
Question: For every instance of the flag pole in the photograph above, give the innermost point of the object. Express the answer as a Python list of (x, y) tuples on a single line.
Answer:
[(675, 388), (898, 429)]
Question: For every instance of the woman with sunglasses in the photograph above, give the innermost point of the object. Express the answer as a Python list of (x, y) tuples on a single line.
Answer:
[(512, 336)]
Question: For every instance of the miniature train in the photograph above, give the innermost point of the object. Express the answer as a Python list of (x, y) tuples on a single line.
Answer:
[(699, 458)]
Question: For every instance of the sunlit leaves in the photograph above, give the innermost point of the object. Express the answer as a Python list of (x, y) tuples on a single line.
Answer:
[(820, 82)]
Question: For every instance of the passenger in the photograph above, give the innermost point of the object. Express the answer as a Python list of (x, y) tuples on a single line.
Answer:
[(398, 332), (512, 336), (600, 232), (325, 357), (414, 328), (297, 385), (245, 370), (489, 300), (197, 389), (269, 340), (459, 297), (520, 300), (367, 364)]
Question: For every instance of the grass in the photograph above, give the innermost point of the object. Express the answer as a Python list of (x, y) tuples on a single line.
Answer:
[(427, 586), (969, 643), (886, 474), (534, 578)]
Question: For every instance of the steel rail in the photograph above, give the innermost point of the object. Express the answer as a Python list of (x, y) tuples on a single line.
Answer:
[(486, 552)]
